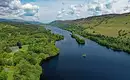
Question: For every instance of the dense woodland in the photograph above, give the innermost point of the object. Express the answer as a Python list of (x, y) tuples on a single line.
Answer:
[(78, 39), (112, 31), (37, 44)]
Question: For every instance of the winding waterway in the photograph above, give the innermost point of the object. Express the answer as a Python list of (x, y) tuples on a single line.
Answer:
[(100, 63)]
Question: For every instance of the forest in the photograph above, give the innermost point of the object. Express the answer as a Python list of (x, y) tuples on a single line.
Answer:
[(38, 44), (78, 39), (112, 31)]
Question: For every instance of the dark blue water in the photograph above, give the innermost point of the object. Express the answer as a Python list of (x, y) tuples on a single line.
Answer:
[(100, 63)]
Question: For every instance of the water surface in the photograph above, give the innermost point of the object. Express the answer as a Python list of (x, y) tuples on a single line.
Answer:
[(100, 63)]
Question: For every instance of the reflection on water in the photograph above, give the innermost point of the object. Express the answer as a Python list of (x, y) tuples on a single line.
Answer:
[(100, 63)]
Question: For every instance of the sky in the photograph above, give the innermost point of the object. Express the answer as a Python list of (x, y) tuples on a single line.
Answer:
[(50, 10)]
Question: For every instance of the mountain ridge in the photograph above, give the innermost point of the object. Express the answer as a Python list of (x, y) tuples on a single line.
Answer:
[(19, 21), (87, 18)]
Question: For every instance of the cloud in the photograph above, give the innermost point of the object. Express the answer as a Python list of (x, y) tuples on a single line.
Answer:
[(97, 7), (8, 7), (30, 10), (17, 9), (72, 10)]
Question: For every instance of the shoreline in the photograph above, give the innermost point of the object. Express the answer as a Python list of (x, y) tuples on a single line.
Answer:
[(50, 57), (78, 39), (43, 61), (106, 45), (97, 40)]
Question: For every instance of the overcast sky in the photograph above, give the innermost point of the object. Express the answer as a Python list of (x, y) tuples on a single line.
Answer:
[(50, 10)]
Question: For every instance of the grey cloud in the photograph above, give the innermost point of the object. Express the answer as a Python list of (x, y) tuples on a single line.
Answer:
[(14, 7)]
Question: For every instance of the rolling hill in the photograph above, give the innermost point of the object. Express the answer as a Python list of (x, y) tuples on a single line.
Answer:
[(112, 31)]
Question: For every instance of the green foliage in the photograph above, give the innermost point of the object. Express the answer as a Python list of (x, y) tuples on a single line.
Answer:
[(7, 49), (119, 43), (3, 75), (78, 39), (24, 64), (111, 42), (26, 71)]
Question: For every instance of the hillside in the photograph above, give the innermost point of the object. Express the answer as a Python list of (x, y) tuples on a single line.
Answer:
[(112, 31), (37, 44), (19, 21)]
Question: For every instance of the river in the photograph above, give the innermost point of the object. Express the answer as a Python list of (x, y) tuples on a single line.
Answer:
[(100, 63)]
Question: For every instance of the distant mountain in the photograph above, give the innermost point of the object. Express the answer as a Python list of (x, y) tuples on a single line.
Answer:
[(20, 21), (83, 20)]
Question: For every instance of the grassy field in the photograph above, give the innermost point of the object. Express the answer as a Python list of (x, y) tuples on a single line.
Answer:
[(108, 26), (10, 73)]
